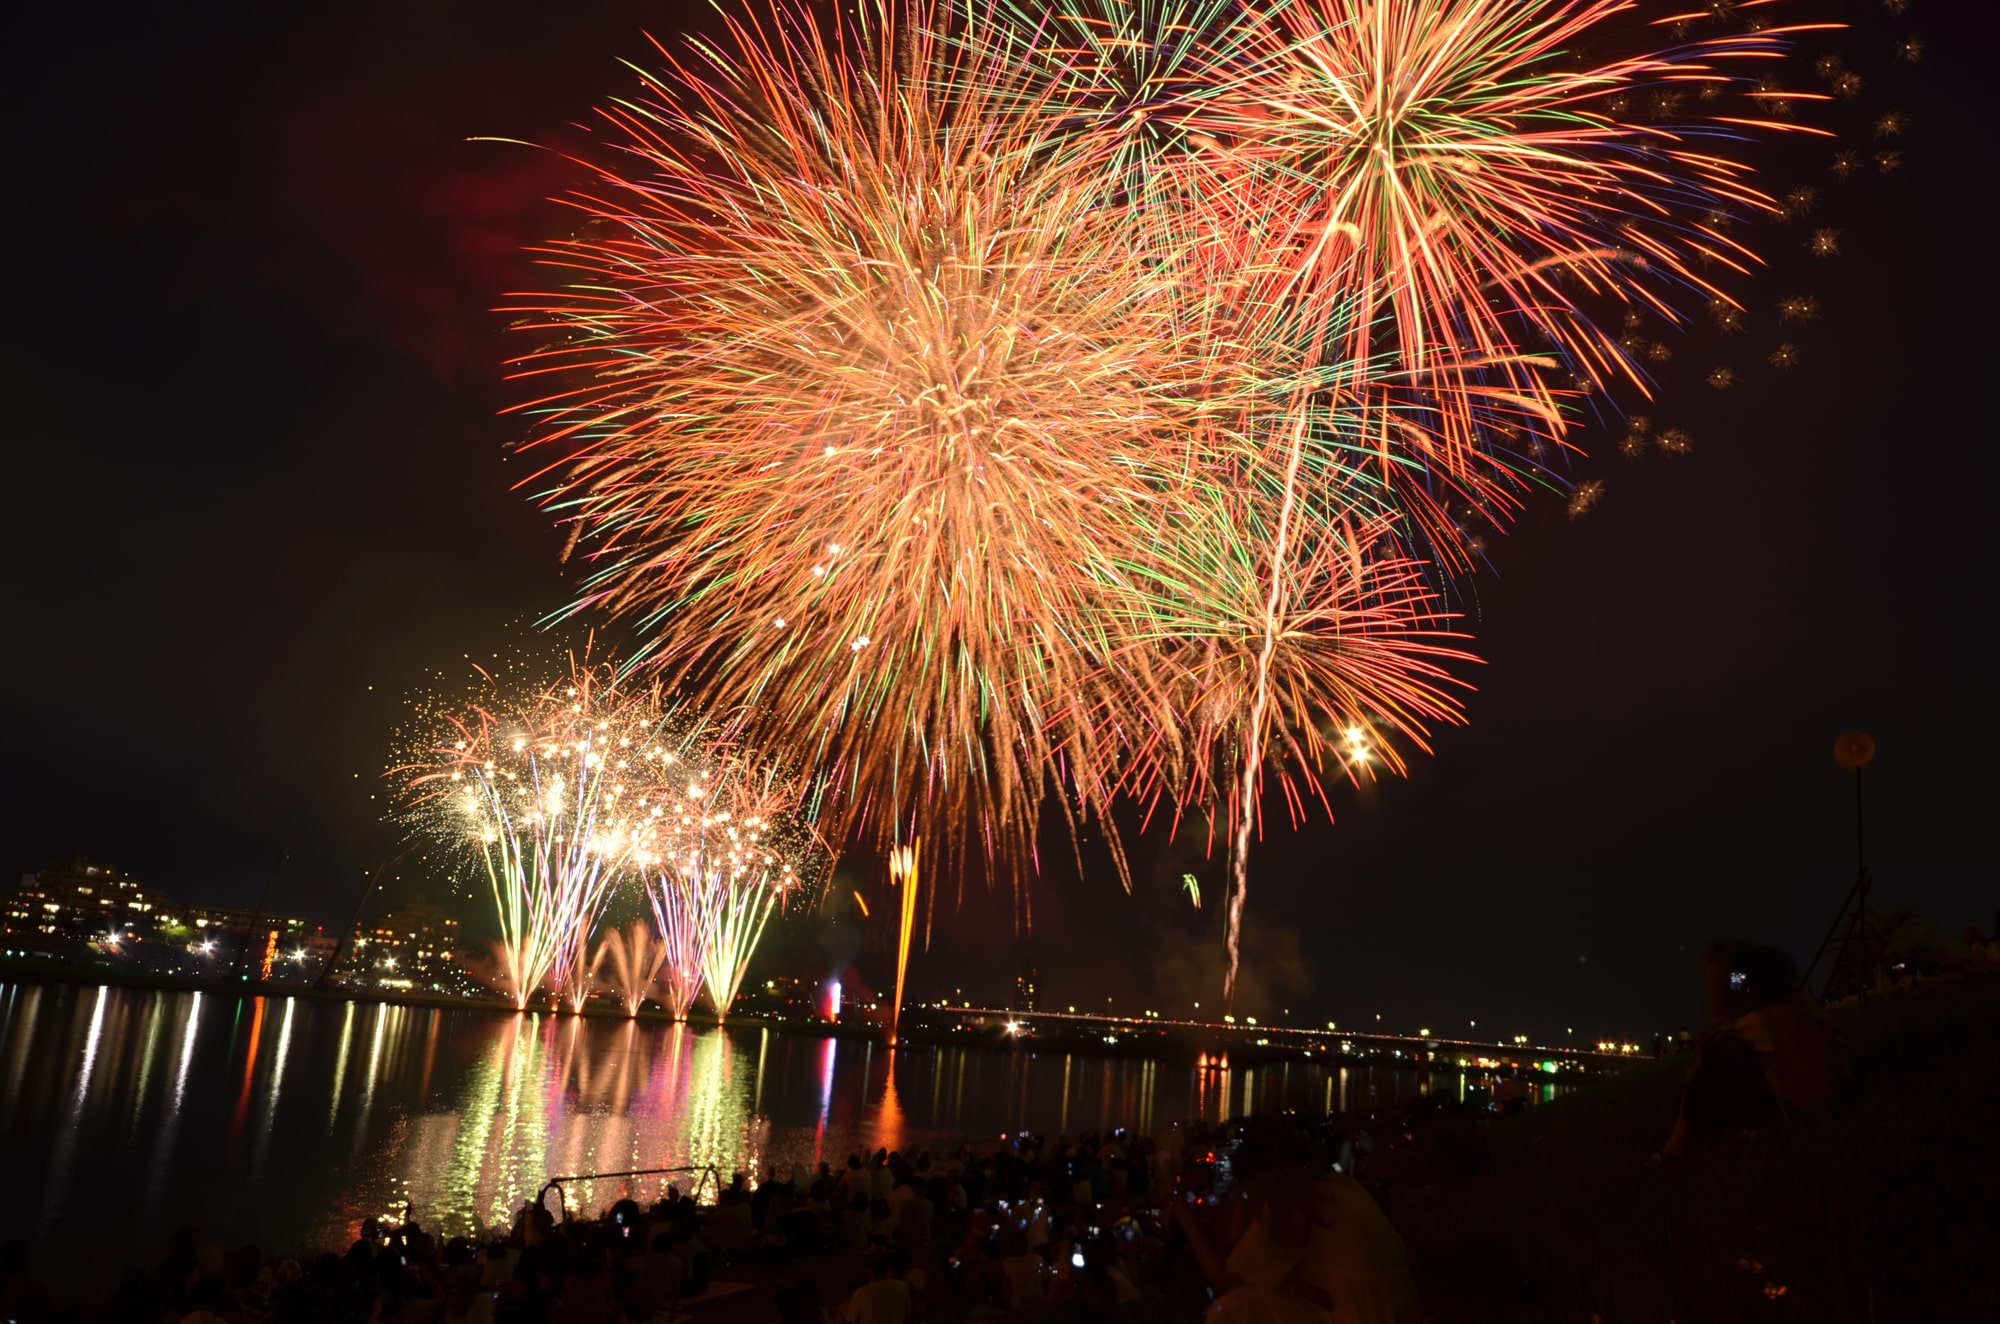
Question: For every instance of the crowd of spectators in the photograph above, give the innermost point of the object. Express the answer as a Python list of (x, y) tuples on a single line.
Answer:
[(1228, 1219)]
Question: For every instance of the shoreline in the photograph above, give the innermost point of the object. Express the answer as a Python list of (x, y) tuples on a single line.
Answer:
[(1199, 1046)]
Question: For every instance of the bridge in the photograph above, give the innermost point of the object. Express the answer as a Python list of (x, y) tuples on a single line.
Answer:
[(1248, 1031)]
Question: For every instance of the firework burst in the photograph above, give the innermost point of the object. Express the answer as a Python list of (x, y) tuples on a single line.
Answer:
[(1421, 196), (1442, 162), (546, 788), (876, 381), (724, 847)]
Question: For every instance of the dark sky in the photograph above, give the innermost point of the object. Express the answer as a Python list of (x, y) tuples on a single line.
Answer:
[(253, 390)]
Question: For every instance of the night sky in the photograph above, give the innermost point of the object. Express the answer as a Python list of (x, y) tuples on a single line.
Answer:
[(254, 395)]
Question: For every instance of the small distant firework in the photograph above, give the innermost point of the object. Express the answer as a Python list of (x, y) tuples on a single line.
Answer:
[(1846, 163), (1891, 124), (1825, 242), (741, 908), (544, 786), (1887, 159), (1727, 316), (1910, 49), (1675, 441), (574, 976), (1799, 201), (724, 846), (1721, 377), (1585, 498), (1785, 356)]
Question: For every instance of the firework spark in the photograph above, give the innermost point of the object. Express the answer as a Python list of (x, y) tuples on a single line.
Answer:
[(1446, 166), (684, 924)]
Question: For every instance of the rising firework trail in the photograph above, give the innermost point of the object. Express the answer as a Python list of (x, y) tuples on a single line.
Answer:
[(903, 875)]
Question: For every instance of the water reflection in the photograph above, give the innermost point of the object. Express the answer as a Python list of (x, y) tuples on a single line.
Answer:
[(335, 1111), (68, 1135), (268, 1114)]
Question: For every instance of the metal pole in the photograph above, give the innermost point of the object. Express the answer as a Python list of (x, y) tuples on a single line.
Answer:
[(366, 891), (249, 932), (1860, 856)]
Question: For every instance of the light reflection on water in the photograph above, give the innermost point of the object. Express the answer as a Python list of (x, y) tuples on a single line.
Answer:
[(288, 1120)]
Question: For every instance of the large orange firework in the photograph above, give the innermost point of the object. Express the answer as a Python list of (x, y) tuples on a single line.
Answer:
[(875, 386)]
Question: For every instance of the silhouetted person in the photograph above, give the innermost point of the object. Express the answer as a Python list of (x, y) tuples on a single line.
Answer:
[(1766, 1051)]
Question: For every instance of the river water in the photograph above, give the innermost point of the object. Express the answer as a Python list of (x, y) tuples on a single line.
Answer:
[(285, 1121)]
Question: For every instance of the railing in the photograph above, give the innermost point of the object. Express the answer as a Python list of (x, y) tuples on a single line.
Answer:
[(556, 1183)]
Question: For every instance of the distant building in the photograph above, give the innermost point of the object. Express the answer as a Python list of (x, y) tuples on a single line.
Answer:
[(80, 902), (1024, 988), (77, 909), (416, 941)]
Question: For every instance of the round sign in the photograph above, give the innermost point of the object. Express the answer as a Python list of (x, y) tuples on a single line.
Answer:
[(1853, 749)]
